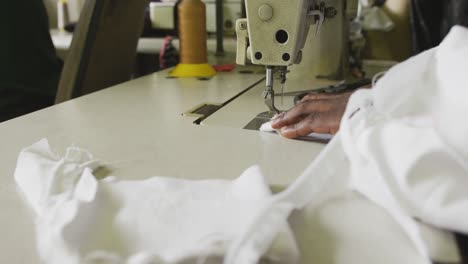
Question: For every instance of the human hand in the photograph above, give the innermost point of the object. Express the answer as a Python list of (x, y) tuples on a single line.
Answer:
[(319, 113)]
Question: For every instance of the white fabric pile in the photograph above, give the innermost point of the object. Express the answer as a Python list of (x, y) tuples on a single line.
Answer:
[(406, 142), (159, 220)]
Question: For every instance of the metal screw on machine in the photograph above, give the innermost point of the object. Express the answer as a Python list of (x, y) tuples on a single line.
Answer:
[(243, 25)]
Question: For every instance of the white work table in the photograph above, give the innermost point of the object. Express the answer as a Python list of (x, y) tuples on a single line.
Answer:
[(138, 130)]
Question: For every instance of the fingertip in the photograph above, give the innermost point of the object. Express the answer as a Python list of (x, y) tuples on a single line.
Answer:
[(276, 121), (288, 132), (275, 124)]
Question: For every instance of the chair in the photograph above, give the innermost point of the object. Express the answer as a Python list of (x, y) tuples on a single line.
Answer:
[(103, 49)]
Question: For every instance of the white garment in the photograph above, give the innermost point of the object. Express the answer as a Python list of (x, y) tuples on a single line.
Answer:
[(399, 152), (158, 220), (373, 17), (406, 142)]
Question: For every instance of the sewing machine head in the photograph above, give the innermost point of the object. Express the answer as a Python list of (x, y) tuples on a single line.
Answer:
[(274, 33)]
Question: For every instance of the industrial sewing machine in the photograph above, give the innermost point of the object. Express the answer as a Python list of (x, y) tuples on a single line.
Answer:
[(275, 32)]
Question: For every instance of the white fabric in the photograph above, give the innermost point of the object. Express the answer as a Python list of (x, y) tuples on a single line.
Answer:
[(317, 183), (397, 149), (158, 220), (406, 142), (373, 17), (266, 127)]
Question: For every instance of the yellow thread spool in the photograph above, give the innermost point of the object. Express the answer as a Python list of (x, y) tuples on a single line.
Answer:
[(192, 35)]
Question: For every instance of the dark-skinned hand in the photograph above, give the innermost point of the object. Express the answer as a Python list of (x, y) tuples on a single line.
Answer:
[(319, 113)]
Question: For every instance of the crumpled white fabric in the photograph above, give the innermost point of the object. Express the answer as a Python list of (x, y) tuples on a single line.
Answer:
[(373, 17), (159, 220), (406, 143), (398, 139)]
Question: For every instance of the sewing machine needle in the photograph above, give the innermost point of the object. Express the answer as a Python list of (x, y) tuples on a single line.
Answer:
[(282, 93)]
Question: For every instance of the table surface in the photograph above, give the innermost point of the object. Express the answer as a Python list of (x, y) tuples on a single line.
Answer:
[(139, 129)]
